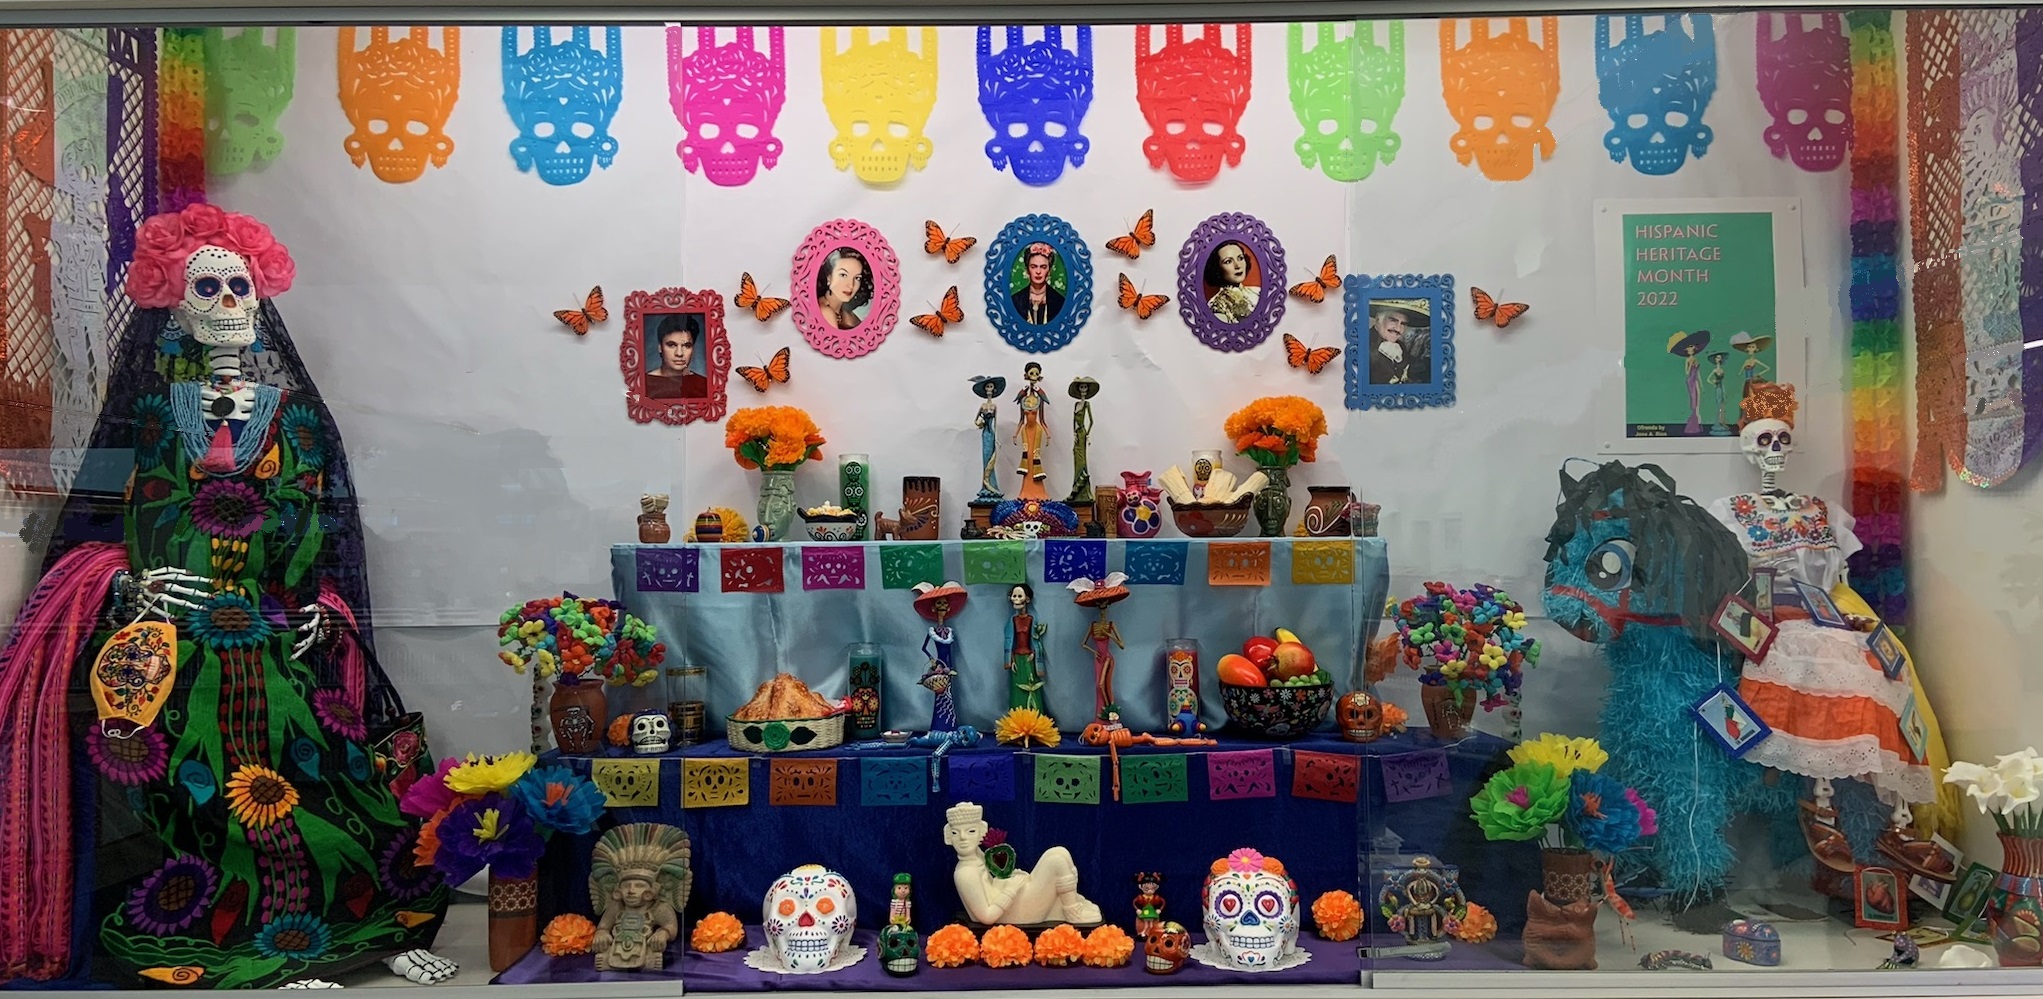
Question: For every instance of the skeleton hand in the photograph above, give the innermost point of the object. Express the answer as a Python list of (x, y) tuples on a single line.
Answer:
[(312, 632), (164, 592)]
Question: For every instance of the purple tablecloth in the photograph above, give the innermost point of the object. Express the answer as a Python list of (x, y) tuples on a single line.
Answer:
[(1332, 963)]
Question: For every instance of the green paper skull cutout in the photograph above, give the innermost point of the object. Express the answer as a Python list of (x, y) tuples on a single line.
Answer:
[(1346, 91), (248, 86)]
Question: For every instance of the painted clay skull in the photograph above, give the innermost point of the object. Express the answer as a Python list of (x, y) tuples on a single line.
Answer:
[(1165, 948), (808, 916), (1360, 716), (1251, 912), (1767, 444), (899, 950), (651, 733), (219, 303)]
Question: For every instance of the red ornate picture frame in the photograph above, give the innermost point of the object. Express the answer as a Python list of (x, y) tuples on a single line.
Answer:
[(650, 397)]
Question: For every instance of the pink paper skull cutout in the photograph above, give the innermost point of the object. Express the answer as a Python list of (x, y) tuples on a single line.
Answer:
[(1805, 83), (1193, 94), (727, 98)]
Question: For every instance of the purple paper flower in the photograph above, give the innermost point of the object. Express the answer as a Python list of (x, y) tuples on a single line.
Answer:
[(225, 508), (131, 761), (403, 877), (338, 716), (492, 831), (174, 897)]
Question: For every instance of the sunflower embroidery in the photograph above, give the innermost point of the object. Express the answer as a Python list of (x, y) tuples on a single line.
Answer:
[(299, 936), (154, 429), (307, 437), (260, 797), (174, 897), (225, 508), (228, 621), (130, 761)]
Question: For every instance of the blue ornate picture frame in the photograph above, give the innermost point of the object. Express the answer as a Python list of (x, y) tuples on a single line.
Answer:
[(1009, 306), (1419, 309), (1201, 276)]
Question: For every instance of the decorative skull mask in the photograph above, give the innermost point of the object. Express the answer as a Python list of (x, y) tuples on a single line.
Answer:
[(879, 95), (1656, 86), (1501, 90), (1035, 96), (562, 98), (398, 96), (218, 308), (727, 98), (1165, 948), (1766, 434), (1805, 83), (1345, 93), (809, 915), (1193, 94), (900, 949), (1251, 911), (651, 732)]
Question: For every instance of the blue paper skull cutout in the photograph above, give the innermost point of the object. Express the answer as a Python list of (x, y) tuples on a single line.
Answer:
[(1035, 96), (1656, 86), (563, 97)]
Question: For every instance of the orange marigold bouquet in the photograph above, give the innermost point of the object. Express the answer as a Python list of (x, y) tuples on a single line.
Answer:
[(775, 438), (1280, 430)]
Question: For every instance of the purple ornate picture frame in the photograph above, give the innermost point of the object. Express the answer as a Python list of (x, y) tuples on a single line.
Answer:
[(1231, 310), (650, 315), (876, 305)]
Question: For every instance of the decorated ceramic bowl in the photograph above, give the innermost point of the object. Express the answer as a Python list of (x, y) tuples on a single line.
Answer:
[(828, 524), (1276, 712), (1211, 520)]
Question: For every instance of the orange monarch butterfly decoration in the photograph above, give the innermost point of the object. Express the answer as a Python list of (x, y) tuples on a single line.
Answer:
[(1315, 290), (775, 370), (1489, 310), (748, 297), (1138, 238), (936, 243), (946, 315), (1144, 306), (1313, 361), (592, 311)]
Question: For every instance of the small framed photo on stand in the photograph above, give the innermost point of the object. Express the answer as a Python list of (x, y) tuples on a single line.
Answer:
[(1761, 587), (1888, 651), (1877, 900), (1744, 628), (1821, 608), (1966, 903), (1727, 717)]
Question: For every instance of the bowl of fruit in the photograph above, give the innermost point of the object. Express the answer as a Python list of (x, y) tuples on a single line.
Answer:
[(1274, 688)]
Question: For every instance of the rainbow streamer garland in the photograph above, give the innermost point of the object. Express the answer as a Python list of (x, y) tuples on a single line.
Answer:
[(1878, 490), (181, 100)]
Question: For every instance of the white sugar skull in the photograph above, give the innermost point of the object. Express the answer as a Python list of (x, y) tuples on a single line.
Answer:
[(650, 733), (1251, 914), (1767, 444), (219, 302), (809, 915)]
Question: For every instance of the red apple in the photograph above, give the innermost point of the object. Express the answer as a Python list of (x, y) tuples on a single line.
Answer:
[(1294, 659), (1238, 671), (1259, 648)]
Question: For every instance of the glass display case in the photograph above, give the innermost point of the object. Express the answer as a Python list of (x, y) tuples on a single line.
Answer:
[(1361, 505)]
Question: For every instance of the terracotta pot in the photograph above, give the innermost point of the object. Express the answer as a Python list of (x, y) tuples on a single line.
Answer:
[(1559, 937), (1106, 508), (578, 712), (513, 919), (2014, 912), (1445, 719), (653, 529), (1326, 514), (1570, 874)]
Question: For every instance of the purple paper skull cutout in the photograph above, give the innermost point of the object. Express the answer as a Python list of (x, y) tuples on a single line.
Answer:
[(1805, 83), (1035, 96), (1656, 86), (727, 98)]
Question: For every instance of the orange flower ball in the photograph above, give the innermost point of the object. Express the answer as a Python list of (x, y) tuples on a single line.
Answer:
[(1005, 946), (1478, 926), (1060, 946), (951, 947), (1338, 915), (620, 730), (567, 934), (1394, 717), (718, 932), (1109, 946)]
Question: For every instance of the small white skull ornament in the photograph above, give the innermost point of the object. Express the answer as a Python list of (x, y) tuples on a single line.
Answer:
[(1767, 444), (650, 733), (219, 302), (1251, 914), (808, 915)]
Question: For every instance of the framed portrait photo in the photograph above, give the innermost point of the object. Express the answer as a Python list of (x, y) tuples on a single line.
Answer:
[(1878, 903), (1726, 716), (1887, 650), (1946, 858), (1821, 608), (1400, 341), (1231, 281), (846, 287), (675, 356), (1038, 283), (1740, 624)]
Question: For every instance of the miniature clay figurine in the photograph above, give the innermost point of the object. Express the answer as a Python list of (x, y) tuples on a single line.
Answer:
[(1101, 637), (1251, 914), (899, 945), (809, 914), (989, 389), (1025, 672), (1181, 686), (1047, 894), (639, 879), (1425, 901), (1032, 432), (652, 519), (921, 500), (1141, 514), (1083, 390), (1148, 902), (1907, 954), (938, 603), (1165, 948)]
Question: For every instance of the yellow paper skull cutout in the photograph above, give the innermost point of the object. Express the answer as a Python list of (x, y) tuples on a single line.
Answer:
[(398, 96), (879, 95)]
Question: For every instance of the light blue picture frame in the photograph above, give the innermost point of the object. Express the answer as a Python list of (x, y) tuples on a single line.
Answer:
[(1436, 291)]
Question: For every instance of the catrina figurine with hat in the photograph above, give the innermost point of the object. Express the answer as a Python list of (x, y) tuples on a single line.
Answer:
[(938, 604)]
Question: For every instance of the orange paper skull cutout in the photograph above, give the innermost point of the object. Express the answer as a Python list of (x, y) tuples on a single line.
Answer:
[(397, 96), (1501, 90)]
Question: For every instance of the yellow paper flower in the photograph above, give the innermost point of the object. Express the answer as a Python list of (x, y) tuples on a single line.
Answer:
[(260, 797), (1026, 726), (483, 774), (1562, 753), (1515, 620)]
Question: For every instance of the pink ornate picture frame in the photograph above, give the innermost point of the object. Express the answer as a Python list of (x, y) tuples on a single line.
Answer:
[(846, 287), (675, 356)]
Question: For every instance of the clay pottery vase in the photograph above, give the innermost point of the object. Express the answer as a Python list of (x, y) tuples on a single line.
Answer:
[(1559, 937), (1326, 513), (653, 529), (513, 919), (2014, 913), (579, 712), (1570, 874), (1447, 720)]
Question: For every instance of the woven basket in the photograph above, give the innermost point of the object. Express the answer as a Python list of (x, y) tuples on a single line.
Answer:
[(784, 735)]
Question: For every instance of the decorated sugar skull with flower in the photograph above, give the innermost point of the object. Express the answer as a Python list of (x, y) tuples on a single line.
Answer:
[(1251, 914), (808, 915)]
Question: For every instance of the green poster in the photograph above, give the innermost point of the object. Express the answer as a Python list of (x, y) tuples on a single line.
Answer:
[(1699, 307)]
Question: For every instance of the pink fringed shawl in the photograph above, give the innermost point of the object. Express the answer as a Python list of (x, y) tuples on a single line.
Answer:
[(36, 834)]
